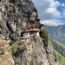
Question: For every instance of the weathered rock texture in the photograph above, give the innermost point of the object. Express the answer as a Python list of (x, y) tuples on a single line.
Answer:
[(19, 24), (15, 16), (5, 55)]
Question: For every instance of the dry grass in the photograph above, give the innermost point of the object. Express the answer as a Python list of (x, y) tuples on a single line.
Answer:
[(6, 58)]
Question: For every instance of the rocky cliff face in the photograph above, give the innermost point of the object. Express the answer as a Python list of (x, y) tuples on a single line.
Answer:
[(20, 28), (15, 16)]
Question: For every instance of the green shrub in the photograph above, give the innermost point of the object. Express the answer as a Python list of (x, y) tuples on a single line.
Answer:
[(1, 51), (44, 36), (16, 47)]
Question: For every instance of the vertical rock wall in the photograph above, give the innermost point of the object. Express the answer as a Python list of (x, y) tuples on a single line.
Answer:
[(17, 16)]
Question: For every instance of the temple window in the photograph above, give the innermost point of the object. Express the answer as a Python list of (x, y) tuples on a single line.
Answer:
[(12, 1), (13, 10), (0, 0), (22, 33)]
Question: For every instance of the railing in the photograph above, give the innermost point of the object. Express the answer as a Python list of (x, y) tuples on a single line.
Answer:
[(31, 30)]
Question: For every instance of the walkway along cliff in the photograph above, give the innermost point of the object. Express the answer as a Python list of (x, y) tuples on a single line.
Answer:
[(20, 40)]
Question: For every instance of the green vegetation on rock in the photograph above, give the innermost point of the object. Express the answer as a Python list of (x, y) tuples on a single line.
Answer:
[(59, 57), (44, 35), (16, 47)]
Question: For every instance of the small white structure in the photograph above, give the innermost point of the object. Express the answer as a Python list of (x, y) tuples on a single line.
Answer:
[(0, 16), (37, 34), (17, 11), (33, 16), (31, 32), (3, 8), (26, 34)]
